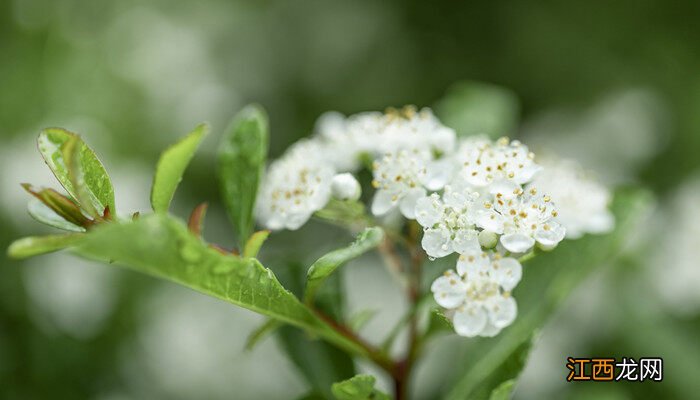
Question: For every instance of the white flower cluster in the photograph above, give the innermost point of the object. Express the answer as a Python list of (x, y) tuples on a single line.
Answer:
[(482, 199), (478, 297), (404, 144)]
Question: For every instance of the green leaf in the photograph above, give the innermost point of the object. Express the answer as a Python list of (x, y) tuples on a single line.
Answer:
[(171, 166), (492, 372), (84, 173), (318, 362), (504, 391), (359, 387), (345, 213), (36, 245), (437, 323), (549, 278), (42, 213), (312, 396), (472, 108), (59, 204), (254, 243), (162, 246), (261, 332), (241, 162), (360, 319), (326, 265)]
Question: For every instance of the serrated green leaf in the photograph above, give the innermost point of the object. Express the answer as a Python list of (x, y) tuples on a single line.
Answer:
[(162, 246), (42, 213), (241, 162), (359, 387), (472, 108), (36, 245), (85, 170), (504, 391), (254, 243), (171, 166), (326, 265), (549, 278)]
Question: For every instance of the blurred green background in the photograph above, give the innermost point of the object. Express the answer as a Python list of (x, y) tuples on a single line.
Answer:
[(615, 85)]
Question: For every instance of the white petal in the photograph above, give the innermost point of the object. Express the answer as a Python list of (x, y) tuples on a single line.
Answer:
[(507, 272), (449, 290), (425, 212), (382, 202), (503, 311), (470, 321), (436, 242), (466, 241), (490, 330), (294, 221), (517, 242), (526, 174), (551, 236), (438, 173), (407, 205), (490, 220), (472, 261), (505, 187), (601, 222)]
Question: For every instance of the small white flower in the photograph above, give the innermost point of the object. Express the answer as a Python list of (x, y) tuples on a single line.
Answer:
[(582, 202), (502, 166), (401, 178), (408, 128), (378, 133), (341, 147), (477, 297), (296, 186), (345, 187), (525, 219), (449, 221)]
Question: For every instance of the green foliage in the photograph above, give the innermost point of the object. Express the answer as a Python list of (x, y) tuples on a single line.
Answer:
[(57, 211), (318, 362), (473, 108), (438, 323), (42, 213), (172, 165), (266, 328), (504, 391), (78, 170), (161, 246), (345, 213), (550, 277), (36, 245), (359, 387), (326, 265), (241, 163), (254, 243), (358, 320)]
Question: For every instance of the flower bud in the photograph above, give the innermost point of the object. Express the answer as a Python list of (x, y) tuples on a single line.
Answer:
[(345, 187), (488, 239)]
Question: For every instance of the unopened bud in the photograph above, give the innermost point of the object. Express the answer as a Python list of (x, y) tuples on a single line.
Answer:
[(488, 239), (345, 187)]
